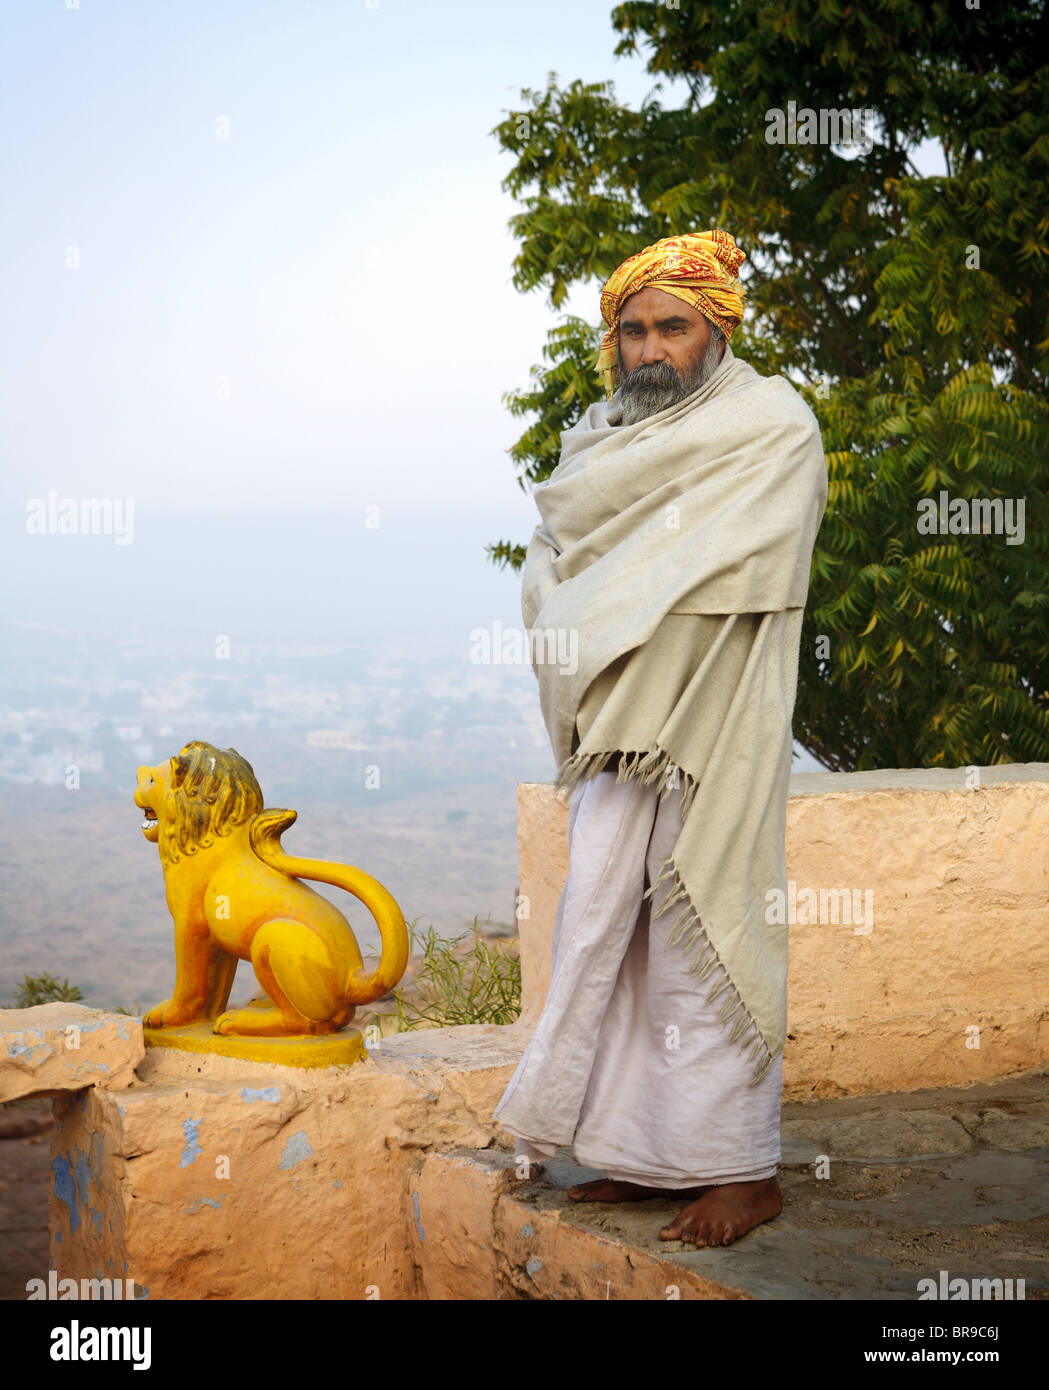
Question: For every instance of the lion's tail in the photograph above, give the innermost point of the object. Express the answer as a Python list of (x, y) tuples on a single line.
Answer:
[(265, 832)]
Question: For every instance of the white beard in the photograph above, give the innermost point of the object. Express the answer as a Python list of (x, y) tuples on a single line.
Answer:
[(655, 386)]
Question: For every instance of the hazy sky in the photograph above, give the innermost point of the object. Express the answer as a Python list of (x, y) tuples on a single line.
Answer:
[(341, 260)]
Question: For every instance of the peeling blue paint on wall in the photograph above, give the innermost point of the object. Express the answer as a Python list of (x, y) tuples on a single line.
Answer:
[(295, 1150), (65, 1189), (192, 1151), (83, 1178), (533, 1265), (191, 1208), (270, 1094), (27, 1049), (418, 1222), (526, 1230)]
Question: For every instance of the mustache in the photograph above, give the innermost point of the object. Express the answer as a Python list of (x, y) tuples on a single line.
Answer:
[(652, 374)]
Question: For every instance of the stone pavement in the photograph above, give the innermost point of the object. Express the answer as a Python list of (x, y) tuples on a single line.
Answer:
[(954, 1179)]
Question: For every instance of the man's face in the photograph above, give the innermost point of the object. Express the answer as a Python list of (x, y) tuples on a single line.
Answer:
[(666, 351)]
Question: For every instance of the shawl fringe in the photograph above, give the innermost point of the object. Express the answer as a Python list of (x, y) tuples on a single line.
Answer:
[(643, 765), (654, 765)]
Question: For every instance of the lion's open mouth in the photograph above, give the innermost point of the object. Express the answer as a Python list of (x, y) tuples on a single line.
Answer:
[(149, 820)]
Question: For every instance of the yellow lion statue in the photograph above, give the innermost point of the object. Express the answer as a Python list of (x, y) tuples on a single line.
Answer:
[(235, 895)]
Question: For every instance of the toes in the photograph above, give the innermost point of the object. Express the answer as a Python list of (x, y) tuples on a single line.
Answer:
[(681, 1230), (677, 1228), (691, 1228), (714, 1223)]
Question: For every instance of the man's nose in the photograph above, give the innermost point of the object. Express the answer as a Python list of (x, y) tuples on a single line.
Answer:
[(653, 350)]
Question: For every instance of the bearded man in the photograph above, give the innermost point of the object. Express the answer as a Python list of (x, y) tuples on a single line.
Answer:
[(676, 540)]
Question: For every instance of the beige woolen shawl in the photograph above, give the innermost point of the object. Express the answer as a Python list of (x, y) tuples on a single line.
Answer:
[(674, 554)]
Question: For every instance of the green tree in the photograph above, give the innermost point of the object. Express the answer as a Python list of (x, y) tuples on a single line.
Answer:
[(910, 309)]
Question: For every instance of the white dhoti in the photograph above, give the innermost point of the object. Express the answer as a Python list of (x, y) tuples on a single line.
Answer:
[(628, 1063)]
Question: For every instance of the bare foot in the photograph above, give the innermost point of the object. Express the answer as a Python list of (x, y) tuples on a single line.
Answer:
[(726, 1212), (608, 1190)]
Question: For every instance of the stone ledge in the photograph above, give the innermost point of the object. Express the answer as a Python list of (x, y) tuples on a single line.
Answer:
[(475, 1237), (471, 1047), (885, 1214), (929, 779), (180, 1180), (64, 1047)]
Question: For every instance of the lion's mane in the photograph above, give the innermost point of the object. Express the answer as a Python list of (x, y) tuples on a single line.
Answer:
[(213, 790)]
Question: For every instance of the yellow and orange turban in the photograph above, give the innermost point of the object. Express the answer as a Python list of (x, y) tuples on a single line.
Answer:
[(702, 268)]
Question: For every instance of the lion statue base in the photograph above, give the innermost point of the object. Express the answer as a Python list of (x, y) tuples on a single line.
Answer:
[(339, 1049)]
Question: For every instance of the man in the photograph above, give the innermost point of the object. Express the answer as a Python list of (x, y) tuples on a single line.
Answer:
[(676, 539)]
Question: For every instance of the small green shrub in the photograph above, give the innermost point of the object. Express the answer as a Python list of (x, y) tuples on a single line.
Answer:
[(44, 989), (454, 985)]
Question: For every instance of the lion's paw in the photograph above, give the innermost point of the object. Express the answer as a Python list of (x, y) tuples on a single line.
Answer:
[(169, 1015)]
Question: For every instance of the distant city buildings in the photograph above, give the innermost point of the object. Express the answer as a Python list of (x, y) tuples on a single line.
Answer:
[(440, 719)]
